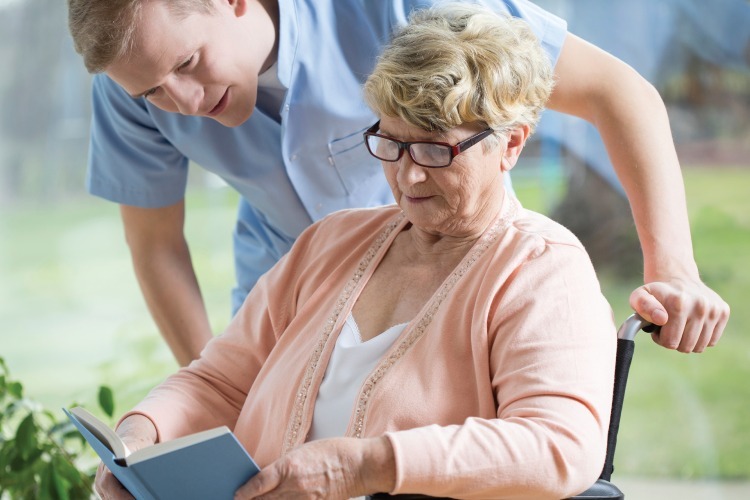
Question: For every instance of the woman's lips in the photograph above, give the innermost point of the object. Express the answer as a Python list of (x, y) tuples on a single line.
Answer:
[(417, 199), (221, 105)]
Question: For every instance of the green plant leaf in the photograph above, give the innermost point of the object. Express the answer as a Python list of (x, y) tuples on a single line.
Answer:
[(59, 484), (26, 436), (21, 463), (36, 460), (46, 486), (107, 400), (7, 454), (67, 470), (15, 389)]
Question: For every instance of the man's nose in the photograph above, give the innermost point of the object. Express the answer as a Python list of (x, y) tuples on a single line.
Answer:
[(186, 94)]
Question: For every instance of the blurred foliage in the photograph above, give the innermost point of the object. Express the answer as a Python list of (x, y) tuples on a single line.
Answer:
[(41, 455)]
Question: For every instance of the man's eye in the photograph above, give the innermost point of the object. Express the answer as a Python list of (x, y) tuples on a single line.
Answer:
[(186, 63)]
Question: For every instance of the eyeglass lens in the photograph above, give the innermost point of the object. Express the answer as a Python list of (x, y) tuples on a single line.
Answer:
[(423, 153)]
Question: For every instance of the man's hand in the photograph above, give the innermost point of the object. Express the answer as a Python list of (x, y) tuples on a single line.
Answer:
[(691, 315)]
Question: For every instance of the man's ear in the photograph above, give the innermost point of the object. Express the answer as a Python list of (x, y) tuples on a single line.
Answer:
[(516, 141), (239, 7)]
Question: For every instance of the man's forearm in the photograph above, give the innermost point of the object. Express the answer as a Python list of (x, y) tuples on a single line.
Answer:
[(161, 259), (635, 129), (632, 121), (173, 296)]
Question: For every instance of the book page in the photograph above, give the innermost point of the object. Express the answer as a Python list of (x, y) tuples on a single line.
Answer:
[(102, 432)]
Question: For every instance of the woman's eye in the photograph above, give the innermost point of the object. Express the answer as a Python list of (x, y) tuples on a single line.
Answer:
[(149, 92)]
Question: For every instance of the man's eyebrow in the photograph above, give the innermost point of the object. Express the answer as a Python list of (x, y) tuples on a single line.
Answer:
[(180, 61), (142, 94)]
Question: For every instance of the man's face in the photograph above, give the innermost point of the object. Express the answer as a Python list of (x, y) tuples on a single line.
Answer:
[(202, 65)]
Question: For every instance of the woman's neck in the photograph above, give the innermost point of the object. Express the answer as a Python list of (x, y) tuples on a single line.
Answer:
[(452, 243)]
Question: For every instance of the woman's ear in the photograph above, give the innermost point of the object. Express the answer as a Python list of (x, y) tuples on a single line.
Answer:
[(516, 141)]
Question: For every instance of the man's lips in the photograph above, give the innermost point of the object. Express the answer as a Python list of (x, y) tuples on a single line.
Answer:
[(221, 105)]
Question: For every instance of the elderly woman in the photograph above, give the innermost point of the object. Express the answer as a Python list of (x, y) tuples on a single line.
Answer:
[(453, 344)]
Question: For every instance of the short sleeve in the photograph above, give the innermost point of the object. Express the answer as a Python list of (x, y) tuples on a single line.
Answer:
[(549, 29), (130, 160)]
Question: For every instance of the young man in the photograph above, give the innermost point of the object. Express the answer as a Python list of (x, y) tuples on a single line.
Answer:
[(266, 93)]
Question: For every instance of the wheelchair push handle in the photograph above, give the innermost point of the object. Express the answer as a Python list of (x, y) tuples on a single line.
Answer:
[(633, 325)]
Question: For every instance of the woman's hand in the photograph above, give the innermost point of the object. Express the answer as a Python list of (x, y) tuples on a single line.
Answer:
[(692, 316), (336, 468), (136, 432)]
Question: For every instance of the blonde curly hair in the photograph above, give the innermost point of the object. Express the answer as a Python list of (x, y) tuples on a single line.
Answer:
[(459, 63)]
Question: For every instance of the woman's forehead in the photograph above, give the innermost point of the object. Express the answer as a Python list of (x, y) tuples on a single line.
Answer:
[(397, 127)]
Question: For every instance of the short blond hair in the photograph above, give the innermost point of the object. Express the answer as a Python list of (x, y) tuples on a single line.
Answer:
[(104, 30), (460, 63)]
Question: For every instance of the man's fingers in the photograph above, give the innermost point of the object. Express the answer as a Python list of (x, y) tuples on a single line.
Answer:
[(720, 325), (691, 335), (648, 306), (671, 333), (650, 302), (692, 316), (707, 332)]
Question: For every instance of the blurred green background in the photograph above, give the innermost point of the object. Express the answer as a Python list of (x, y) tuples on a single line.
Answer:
[(72, 317)]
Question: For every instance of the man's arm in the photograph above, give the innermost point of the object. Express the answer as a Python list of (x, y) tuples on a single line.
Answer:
[(632, 121), (161, 259)]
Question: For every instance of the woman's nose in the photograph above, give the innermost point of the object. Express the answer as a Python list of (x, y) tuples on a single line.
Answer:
[(409, 172)]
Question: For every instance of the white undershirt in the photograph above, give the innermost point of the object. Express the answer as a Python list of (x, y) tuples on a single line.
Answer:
[(270, 93), (351, 362)]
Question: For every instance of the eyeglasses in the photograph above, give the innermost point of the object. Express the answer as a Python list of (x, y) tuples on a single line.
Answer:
[(425, 153)]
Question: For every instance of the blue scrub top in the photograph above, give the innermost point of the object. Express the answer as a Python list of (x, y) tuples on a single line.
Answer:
[(289, 174)]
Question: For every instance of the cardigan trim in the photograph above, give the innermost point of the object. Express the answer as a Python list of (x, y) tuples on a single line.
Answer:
[(293, 437), (412, 333), (424, 318)]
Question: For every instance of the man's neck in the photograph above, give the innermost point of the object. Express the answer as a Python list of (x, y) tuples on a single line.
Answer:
[(271, 8)]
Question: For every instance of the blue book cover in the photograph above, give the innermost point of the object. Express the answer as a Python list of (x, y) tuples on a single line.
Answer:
[(208, 464)]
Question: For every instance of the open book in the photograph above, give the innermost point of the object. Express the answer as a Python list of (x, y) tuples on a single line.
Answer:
[(209, 464)]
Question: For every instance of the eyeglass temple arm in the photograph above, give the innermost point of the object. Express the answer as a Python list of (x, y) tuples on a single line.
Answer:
[(463, 146)]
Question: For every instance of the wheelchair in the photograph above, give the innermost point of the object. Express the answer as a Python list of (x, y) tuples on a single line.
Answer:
[(603, 489)]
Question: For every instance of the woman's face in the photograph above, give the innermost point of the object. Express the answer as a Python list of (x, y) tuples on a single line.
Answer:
[(458, 200)]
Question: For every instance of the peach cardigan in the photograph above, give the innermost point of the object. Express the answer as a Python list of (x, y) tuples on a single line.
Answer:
[(499, 388)]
